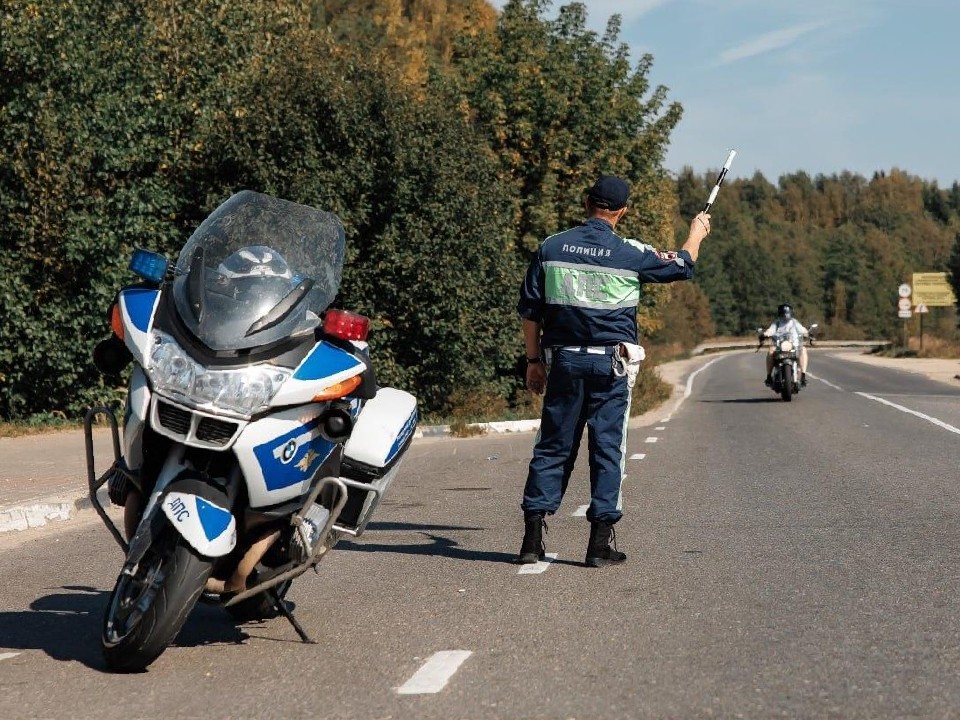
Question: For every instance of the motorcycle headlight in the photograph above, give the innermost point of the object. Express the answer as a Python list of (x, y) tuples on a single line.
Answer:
[(786, 346), (244, 391)]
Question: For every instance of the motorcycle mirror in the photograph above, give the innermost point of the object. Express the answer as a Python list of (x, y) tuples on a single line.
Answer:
[(814, 326), (111, 356)]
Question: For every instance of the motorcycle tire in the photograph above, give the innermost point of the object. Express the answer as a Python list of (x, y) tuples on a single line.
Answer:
[(786, 388), (146, 610)]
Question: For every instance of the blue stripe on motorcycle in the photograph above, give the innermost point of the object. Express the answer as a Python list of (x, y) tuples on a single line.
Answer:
[(293, 457), (405, 433), (325, 360), (139, 304), (214, 520)]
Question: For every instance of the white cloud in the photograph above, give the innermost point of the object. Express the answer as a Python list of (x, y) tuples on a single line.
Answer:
[(768, 42)]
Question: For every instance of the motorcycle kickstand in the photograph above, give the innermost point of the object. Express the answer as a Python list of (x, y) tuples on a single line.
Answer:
[(285, 611)]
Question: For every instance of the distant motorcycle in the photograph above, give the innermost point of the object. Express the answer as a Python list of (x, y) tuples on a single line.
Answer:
[(254, 435), (785, 375)]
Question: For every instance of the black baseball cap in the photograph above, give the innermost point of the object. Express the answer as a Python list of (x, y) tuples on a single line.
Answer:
[(609, 193)]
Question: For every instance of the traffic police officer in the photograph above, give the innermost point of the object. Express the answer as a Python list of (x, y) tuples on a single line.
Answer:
[(578, 304)]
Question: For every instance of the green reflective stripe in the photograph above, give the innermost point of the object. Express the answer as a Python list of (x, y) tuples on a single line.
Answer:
[(589, 286)]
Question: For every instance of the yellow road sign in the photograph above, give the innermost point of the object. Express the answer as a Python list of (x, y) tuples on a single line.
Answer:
[(933, 290)]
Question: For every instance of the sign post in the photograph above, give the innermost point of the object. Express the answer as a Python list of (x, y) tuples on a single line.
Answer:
[(903, 308), (921, 310), (931, 289)]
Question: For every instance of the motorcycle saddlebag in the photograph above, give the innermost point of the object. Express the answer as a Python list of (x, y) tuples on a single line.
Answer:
[(381, 435)]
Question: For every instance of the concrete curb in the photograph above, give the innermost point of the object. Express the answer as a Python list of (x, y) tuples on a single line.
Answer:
[(45, 510)]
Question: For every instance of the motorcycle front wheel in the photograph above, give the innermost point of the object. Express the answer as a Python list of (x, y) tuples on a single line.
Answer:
[(149, 606), (786, 389)]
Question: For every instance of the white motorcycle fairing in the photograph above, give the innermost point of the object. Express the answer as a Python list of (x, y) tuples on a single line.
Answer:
[(135, 417), (138, 306), (324, 366), (280, 453)]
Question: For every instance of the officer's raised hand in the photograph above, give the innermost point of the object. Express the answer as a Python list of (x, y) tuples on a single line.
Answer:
[(699, 229)]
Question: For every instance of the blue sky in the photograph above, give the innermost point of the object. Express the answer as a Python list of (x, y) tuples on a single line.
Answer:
[(816, 85)]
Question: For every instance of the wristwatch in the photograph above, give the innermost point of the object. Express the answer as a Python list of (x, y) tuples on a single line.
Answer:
[(533, 361)]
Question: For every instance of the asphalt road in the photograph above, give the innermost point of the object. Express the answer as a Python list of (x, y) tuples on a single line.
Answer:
[(785, 560)]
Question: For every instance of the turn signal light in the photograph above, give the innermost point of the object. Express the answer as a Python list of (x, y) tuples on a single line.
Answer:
[(339, 390), (116, 321), (346, 325)]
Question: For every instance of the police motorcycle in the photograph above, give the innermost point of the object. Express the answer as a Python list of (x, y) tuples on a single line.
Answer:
[(785, 375), (254, 435)]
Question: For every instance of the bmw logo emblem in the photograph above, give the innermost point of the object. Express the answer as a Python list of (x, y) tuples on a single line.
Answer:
[(289, 452)]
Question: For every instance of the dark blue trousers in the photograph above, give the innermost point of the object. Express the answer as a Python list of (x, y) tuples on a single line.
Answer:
[(581, 391)]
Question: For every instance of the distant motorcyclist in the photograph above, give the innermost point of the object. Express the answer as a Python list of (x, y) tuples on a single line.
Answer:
[(787, 324)]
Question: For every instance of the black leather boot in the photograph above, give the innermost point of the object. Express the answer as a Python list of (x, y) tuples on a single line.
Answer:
[(599, 552), (532, 549)]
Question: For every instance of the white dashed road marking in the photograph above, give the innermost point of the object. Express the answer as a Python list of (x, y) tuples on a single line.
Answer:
[(901, 408), (580, 511), (638, 456), (539, 567), (651, 440), (434, 674), (661, 427)]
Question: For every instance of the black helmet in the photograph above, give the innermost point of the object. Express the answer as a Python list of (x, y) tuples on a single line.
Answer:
[(784, 312)]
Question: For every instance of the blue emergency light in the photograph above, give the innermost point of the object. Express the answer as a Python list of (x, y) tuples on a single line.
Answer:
[(150, 266)]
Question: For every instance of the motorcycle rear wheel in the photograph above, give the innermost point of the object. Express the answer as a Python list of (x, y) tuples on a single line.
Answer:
[(149, 607), (786, 388)]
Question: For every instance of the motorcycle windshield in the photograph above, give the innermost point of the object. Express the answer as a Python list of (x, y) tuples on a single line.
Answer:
[(258, 270)]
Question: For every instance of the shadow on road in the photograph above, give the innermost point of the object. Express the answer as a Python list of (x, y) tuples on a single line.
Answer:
[(414, 527), (66, 626), (749, 401), (439, 547)]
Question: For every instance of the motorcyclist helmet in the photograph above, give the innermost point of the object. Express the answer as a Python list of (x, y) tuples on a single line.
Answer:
[(784, 312)]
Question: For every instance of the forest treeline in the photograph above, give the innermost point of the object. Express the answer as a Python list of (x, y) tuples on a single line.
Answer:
[(450, 139)]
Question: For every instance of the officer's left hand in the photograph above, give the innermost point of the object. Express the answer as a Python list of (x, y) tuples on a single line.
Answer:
[(536, 378)]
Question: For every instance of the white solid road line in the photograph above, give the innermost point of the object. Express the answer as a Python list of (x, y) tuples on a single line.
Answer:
[(638, 456), (538, 567), (580, 511), (434, 674), (901, 408), (825, 382), (689, 388), (7, 656)]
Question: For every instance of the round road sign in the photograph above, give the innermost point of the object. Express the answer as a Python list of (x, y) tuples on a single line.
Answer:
[(903, 303), (904, 290)]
